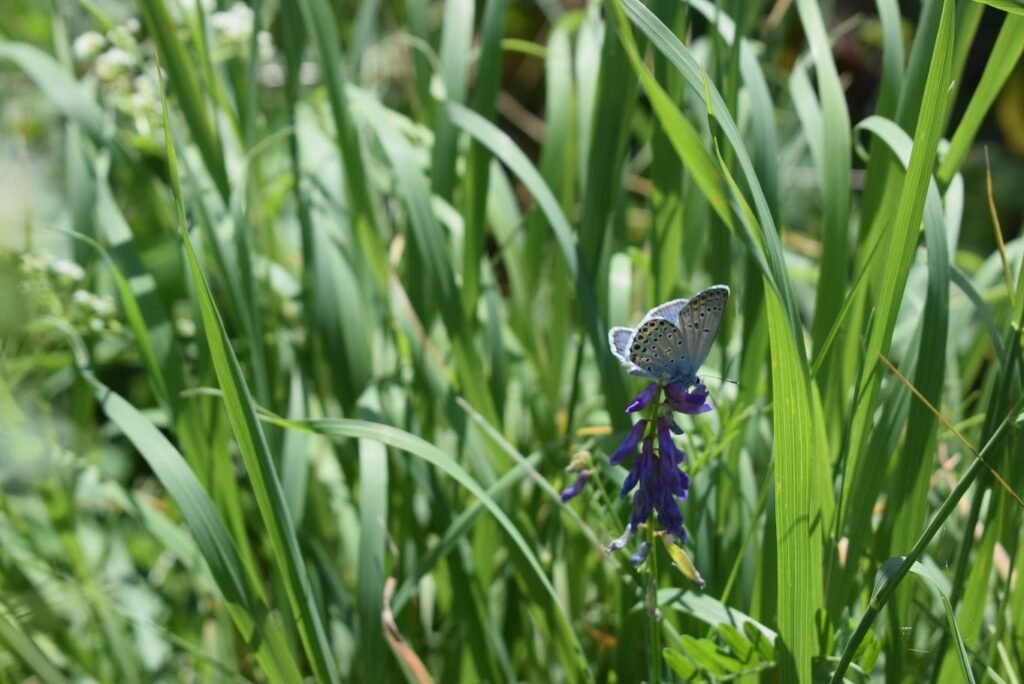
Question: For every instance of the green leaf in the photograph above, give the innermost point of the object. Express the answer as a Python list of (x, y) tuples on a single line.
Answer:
[(181, 77), (66, 94), (1015, 7), (1005, 54)]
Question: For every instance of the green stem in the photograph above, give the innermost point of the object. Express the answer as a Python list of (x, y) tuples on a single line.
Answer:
[(652, 584), (652, 608)]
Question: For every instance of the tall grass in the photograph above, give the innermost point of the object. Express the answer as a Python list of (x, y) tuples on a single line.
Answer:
[(330, 337)]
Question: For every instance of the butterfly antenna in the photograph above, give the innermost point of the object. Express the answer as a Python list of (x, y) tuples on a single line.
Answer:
[(723, 380)]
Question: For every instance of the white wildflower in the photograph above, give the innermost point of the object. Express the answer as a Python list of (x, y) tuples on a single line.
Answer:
[(182, 8), (309, 73), (67, 269), (103, 306), (82, 297), (88, 45), (265, 43), (271, 75), (112, 63), (186, 327), (235, 25), (121, 36)]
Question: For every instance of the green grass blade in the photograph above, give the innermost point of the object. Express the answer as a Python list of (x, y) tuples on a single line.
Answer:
[(834, 179), (502, 147), (245, 601), (252, 443), (321, 25), (415, 446), (373, 534), (67, 94), (906, 224), (798, 522), (478, 162), (181, 74), (1013, 7), (1005, 54), (21, 646), (453, 71)]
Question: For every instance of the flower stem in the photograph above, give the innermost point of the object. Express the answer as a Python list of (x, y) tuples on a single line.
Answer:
[(652, 559), (652, 608)]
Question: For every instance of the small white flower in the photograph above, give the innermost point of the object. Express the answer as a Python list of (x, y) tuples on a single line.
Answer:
[(235, 25), (265, 42), (121, 36), (96, 325), (309, 73), (82, 297), (67, 269), (133, 26), (112, 63), (186, 327), (88, 45), (104, 306), (182, 9), (271, 75)]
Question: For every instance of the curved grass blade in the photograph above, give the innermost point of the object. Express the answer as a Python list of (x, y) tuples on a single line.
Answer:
[(420, 448), (21, 646), (252, 444), (499, 143), (245, 600), (1005, 54), (181, 75), (321, 24), (905, 227), (66, 94)]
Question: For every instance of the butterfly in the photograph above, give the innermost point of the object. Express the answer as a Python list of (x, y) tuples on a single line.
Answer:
[(673, 339)]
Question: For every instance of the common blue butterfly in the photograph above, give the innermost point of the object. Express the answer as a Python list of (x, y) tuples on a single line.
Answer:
[(673, 339)]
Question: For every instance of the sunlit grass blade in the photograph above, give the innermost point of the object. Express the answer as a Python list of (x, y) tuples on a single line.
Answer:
[(906, 224), (373, 532), (453, 72), (1005, 54)]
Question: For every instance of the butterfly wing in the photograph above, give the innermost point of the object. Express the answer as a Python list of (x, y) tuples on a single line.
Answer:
[(669, 311), (699, 321), (618, 341), (657, 349)]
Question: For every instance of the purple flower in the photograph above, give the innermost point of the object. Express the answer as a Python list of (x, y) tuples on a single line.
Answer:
[(576, 487), (643, 399), (692, 403), (655, 476), (641, 554), (629, 444)]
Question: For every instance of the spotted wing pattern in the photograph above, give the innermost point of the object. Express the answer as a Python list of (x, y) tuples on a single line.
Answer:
[(658, 349), (673, 339), (699, 321)]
